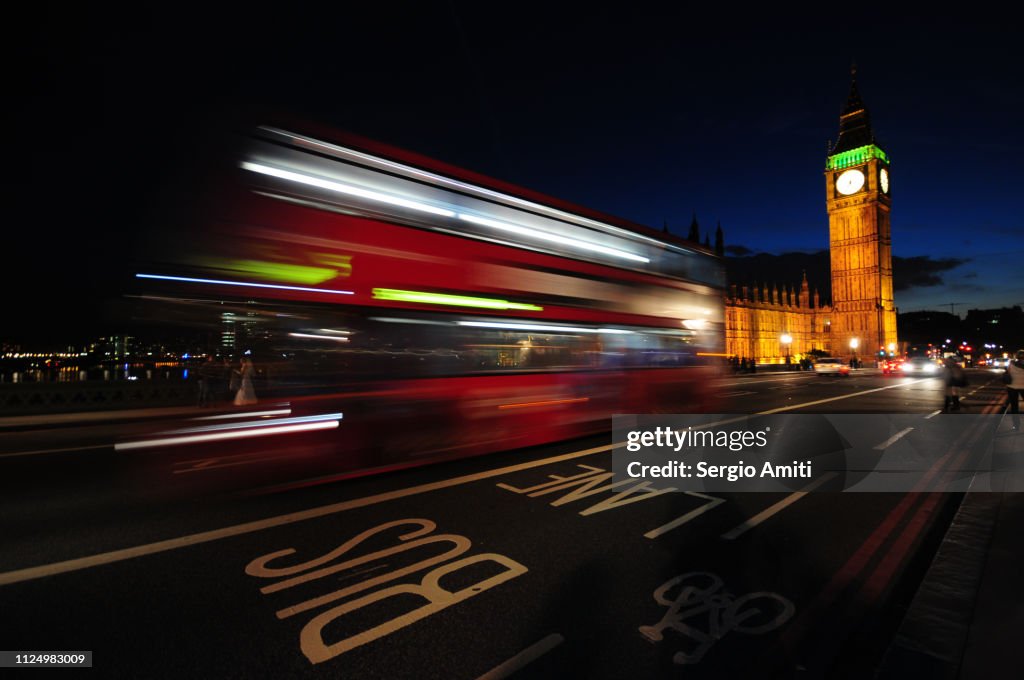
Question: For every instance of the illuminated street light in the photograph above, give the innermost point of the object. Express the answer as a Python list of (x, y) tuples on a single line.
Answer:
[(854, 344), (786, 339)]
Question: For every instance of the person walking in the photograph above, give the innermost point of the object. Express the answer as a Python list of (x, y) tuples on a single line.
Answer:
[(208, 373), (246, 394), (1014, 379), (955, 379)]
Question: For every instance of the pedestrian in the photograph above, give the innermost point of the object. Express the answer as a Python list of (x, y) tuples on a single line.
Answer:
[(246, 394), (229, 380), (1014, 380), (955, 379), (208, 373)]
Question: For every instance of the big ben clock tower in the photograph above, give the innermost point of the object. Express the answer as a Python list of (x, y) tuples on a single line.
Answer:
[(857, 187)]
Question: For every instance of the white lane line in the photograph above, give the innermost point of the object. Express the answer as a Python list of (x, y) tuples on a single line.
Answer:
[(756, 381), (933, 414), (825, 401), (760, 517), (41, 571), (736, 394), (893, 439), (520, 660)]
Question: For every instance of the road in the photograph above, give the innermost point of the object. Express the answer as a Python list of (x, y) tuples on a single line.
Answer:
[(527, 561)]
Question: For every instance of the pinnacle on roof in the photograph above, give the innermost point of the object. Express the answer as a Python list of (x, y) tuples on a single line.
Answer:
[(854, 122)]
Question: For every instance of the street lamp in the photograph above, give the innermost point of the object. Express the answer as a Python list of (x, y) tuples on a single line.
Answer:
[(854, 344), (786, 339)]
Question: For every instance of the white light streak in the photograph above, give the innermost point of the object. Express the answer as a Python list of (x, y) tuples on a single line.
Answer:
[(542, 328), (547, 236), (334, 338), (217, 436), (219, 282), (347, 189), (247, 414), (334, 149), (261, 423)]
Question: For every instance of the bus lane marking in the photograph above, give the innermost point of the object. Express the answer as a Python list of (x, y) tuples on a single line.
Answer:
[(436, 598), (522, 659), (701, 594), (587, 484), (99, 559)]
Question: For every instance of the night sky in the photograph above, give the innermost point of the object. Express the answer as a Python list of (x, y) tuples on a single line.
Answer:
[(647, 114)]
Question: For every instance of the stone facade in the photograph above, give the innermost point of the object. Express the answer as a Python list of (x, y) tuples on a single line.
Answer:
[(756, 322)]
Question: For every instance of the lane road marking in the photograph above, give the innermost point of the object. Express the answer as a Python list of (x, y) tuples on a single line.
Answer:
[(44, 570)]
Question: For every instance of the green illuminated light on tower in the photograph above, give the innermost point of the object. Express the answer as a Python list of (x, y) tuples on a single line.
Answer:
[(862, 154)]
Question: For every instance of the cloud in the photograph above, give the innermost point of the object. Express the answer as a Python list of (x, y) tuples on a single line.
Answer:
[(921, 271), (738, 251)]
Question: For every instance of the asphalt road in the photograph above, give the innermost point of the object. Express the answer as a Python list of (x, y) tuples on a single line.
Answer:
[(533, 561)]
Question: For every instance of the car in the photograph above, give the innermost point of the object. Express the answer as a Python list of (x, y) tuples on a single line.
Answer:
[(919, 366), (890, 366), (828, 366)]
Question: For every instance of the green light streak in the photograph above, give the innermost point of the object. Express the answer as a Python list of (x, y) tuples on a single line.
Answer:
[(449, 300), (862, 154), (271, 271)]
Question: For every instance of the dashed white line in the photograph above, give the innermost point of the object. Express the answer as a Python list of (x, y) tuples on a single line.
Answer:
[(520, 660), (933, 414), (893, 439), (765, 514)]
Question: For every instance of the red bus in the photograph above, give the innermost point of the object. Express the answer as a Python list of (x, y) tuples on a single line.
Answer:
[(443, 313)]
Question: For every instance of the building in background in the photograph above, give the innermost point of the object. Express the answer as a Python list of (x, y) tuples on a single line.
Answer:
[(770, 327)]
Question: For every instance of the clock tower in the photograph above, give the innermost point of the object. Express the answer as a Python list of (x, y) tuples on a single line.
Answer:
[(857, 190)]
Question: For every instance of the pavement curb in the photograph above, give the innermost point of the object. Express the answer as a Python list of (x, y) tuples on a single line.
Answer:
[(932, 638)]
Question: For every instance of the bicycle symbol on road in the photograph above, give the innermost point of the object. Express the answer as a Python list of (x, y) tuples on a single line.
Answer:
[(700, 593)]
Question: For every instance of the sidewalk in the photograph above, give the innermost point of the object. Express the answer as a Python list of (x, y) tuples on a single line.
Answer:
[(966, 620)]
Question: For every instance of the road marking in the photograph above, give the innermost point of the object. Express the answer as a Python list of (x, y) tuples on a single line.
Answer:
[(765, 514), (933, 414), (893, 439), (41, 571), (31, 573), (860, 559), (751, 381), (736, 394), (825, 401), (697, 512), (520, 660)]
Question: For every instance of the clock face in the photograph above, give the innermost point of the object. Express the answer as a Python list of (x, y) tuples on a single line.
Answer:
[(883, 180), (850, 182)]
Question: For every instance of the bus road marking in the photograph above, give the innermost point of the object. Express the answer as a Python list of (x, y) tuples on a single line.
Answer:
[(523, 658), (434, 597), (765, 514), (99, 559)]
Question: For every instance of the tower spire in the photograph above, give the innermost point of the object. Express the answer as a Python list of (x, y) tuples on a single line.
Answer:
[(854, 121)]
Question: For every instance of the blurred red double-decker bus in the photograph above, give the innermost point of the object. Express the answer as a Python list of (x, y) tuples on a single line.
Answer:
[(443, 313)]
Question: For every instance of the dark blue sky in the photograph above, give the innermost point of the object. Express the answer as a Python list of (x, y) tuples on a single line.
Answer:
[(646, 113)]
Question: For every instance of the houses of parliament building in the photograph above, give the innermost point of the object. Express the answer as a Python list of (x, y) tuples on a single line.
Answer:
[(769, 325)]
